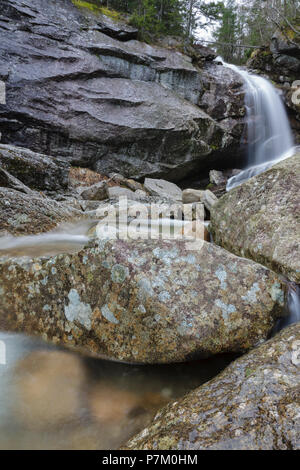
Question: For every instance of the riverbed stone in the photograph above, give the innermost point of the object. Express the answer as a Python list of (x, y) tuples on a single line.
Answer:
[(254, 404), (163, 189), (22, 214), (142, 301), (95, 192), (192, 195), (209, 199), (35, 170), (260, 219)]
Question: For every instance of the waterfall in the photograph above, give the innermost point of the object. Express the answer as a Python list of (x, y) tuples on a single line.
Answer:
[(293, 308), (269, 134), (293, 305)]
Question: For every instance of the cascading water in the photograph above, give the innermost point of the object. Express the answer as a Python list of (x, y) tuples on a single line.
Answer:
[(293, 308), (294, 305), (269, 134)]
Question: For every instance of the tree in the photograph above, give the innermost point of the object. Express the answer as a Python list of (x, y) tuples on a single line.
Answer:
[(226, 33)]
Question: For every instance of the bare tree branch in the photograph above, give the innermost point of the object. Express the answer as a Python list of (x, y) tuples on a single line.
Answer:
[(286, 20), (247, 46), (290, 41)]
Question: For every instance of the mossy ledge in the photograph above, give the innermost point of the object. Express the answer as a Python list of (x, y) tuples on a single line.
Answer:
[(97, 10)]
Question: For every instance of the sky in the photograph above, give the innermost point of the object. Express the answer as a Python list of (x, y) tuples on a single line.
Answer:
[(207, 33)]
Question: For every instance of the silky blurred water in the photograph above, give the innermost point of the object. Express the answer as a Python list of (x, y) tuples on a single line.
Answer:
[(269, 134), (54, 399)]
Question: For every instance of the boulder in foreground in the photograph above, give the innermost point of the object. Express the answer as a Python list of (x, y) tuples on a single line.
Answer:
[(254, 404), (261, 219), (26, 214), (142, 301)]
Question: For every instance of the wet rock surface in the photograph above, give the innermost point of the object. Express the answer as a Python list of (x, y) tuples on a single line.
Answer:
[(31, 213), (34, 170), (260, 219), (108, 104), (142, 301), (251, 405)]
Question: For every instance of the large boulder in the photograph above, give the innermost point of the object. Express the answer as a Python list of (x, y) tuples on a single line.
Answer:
[(25, 214), (142, 301), (260, 219), (37, 171), (76, 89), (254, 404)]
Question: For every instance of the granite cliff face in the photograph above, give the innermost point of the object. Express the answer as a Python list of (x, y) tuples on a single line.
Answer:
[(80, 86)]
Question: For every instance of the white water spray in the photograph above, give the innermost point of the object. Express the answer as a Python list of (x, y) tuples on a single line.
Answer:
[(270, 137), (293, 308), (294, 305)]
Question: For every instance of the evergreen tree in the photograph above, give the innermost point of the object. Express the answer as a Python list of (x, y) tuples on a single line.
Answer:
[(226, 33)]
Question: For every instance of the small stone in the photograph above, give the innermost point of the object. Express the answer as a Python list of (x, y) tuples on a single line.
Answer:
[(217, 177), (163, 189), (192, 195), (96, 192), (209, 199)]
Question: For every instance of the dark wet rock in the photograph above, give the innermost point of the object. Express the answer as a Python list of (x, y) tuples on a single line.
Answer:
[(260, 219), (223, 97), (106, 104), (9, 181), (204, 52), (34, 170), (115, 28), (290, 63), (282, 44), (31, 213), (252, 405), (142, 301)]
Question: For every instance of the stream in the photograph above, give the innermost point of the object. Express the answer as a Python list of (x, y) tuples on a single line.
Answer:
[(54, 399), (51, 398)]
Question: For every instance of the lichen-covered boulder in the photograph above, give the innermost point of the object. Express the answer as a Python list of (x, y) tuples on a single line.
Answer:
[(254, 404), (22, 214), (261, 219), (142, 301)]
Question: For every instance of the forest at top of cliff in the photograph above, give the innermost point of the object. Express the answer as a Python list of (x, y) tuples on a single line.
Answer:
[(234, 27)]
